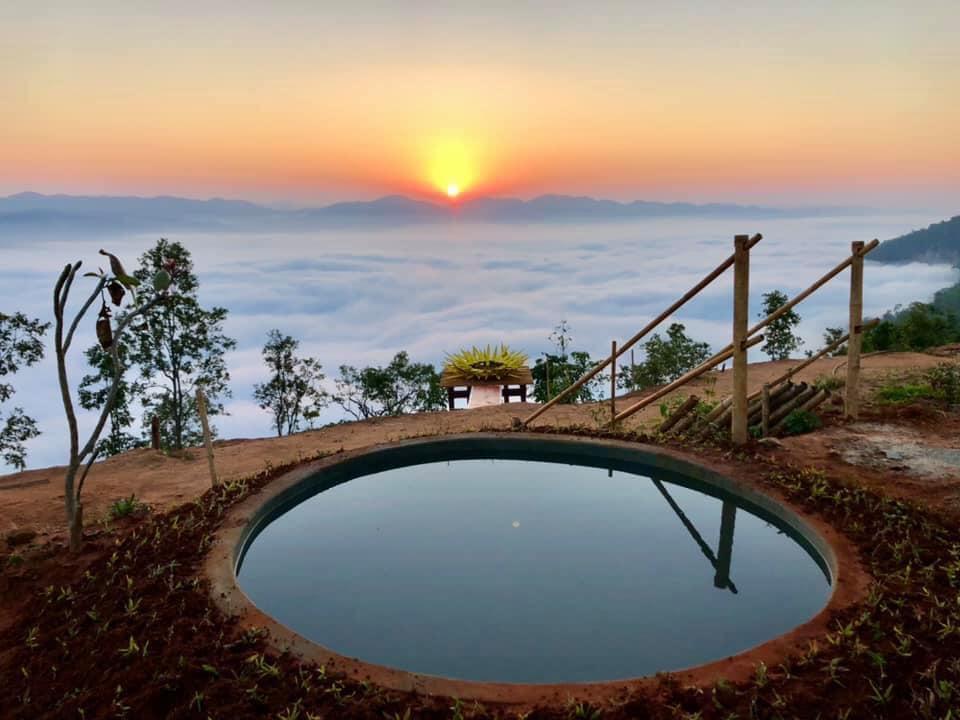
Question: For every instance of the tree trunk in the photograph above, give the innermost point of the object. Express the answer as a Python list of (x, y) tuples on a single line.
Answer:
[(76, 528)]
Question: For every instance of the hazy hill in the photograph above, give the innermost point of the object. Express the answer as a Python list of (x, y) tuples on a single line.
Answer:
[(938, 243), (85, 214)]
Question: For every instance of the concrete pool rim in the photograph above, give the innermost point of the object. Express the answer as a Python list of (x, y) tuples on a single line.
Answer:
[(242, 523)]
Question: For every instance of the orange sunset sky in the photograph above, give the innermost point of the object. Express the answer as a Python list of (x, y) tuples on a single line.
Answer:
[(308, 102)]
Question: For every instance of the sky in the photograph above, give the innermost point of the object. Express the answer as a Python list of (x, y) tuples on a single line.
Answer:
[(304, 102)]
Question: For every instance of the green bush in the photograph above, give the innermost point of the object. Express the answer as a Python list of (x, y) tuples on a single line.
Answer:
[(799, 422), (905, 393), (944, 379)]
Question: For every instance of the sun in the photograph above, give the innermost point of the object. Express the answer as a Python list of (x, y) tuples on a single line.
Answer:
[(450, 166)]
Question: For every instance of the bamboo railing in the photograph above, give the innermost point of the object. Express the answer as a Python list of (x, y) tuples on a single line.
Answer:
[(738, 406), (593, 372), (727, 352)]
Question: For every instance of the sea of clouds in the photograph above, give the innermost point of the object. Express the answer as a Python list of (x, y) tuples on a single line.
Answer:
[(358, 296)]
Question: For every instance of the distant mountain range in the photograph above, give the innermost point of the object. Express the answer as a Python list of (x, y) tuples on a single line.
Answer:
[(938, 243), (78, 213)]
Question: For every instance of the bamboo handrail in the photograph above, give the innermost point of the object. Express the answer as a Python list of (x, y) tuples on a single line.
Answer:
[(720, 357), (786, 307), (590, 374)]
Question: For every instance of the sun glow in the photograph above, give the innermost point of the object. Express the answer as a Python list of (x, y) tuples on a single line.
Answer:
[(451, 165)]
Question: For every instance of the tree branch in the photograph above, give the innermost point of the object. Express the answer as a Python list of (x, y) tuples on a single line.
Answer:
[(60, 292), (83, 311), (117, 374)]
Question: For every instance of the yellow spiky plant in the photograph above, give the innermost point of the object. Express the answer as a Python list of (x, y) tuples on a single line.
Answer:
[(484, 364)]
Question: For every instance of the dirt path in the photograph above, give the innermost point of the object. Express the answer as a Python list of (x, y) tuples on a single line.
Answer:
[(34, 499)]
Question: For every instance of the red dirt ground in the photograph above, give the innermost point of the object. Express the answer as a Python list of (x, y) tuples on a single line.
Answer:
[(127, 628)]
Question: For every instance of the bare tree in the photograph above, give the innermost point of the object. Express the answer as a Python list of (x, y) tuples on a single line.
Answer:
[(115, 283)]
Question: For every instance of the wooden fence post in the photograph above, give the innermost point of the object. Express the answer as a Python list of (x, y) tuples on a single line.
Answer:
[(741, 298), (155, 433), (852, 390), (207, 441), (613, 383), (765, 411)]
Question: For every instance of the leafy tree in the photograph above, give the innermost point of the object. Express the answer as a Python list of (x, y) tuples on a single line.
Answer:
[(93, 391), (20, 346), (293, 391), (779, 337), (555, 372), (564, 371), (665, 359), (400, 387), (179, 348), (917, 327), (947, 300), (831, 335)]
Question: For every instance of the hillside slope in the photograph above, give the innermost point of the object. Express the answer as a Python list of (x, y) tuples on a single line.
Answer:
[(938, 243)]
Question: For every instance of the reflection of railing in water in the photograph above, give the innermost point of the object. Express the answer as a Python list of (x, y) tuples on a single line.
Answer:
[(721, 564)]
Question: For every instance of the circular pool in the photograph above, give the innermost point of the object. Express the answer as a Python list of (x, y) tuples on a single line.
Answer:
[(530, 560)]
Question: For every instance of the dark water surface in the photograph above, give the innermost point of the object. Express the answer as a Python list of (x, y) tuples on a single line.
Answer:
[(522, 571)]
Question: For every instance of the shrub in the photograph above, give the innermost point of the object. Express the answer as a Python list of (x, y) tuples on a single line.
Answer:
[(905, 393), (945, 380), (799, 422), (666, 359), (828, 382)]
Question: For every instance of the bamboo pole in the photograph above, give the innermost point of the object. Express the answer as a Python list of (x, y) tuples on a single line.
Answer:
[(688, 405), (765, 411), (686, 423), (852, 389), (613, 382), (812, 400), (741, 299), (786, 307), (755, 409), (590, 374), (207, 441), (792, 404), (683, 380)]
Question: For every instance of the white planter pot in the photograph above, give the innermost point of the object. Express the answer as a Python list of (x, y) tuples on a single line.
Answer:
[(484, 395)]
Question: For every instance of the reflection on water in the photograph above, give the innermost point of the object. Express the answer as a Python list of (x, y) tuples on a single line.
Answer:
[(530, 572)]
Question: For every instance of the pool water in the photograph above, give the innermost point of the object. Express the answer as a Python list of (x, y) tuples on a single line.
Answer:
[(532, 571)]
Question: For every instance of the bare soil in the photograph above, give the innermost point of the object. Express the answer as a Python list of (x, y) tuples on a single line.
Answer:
[(127, 628)]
